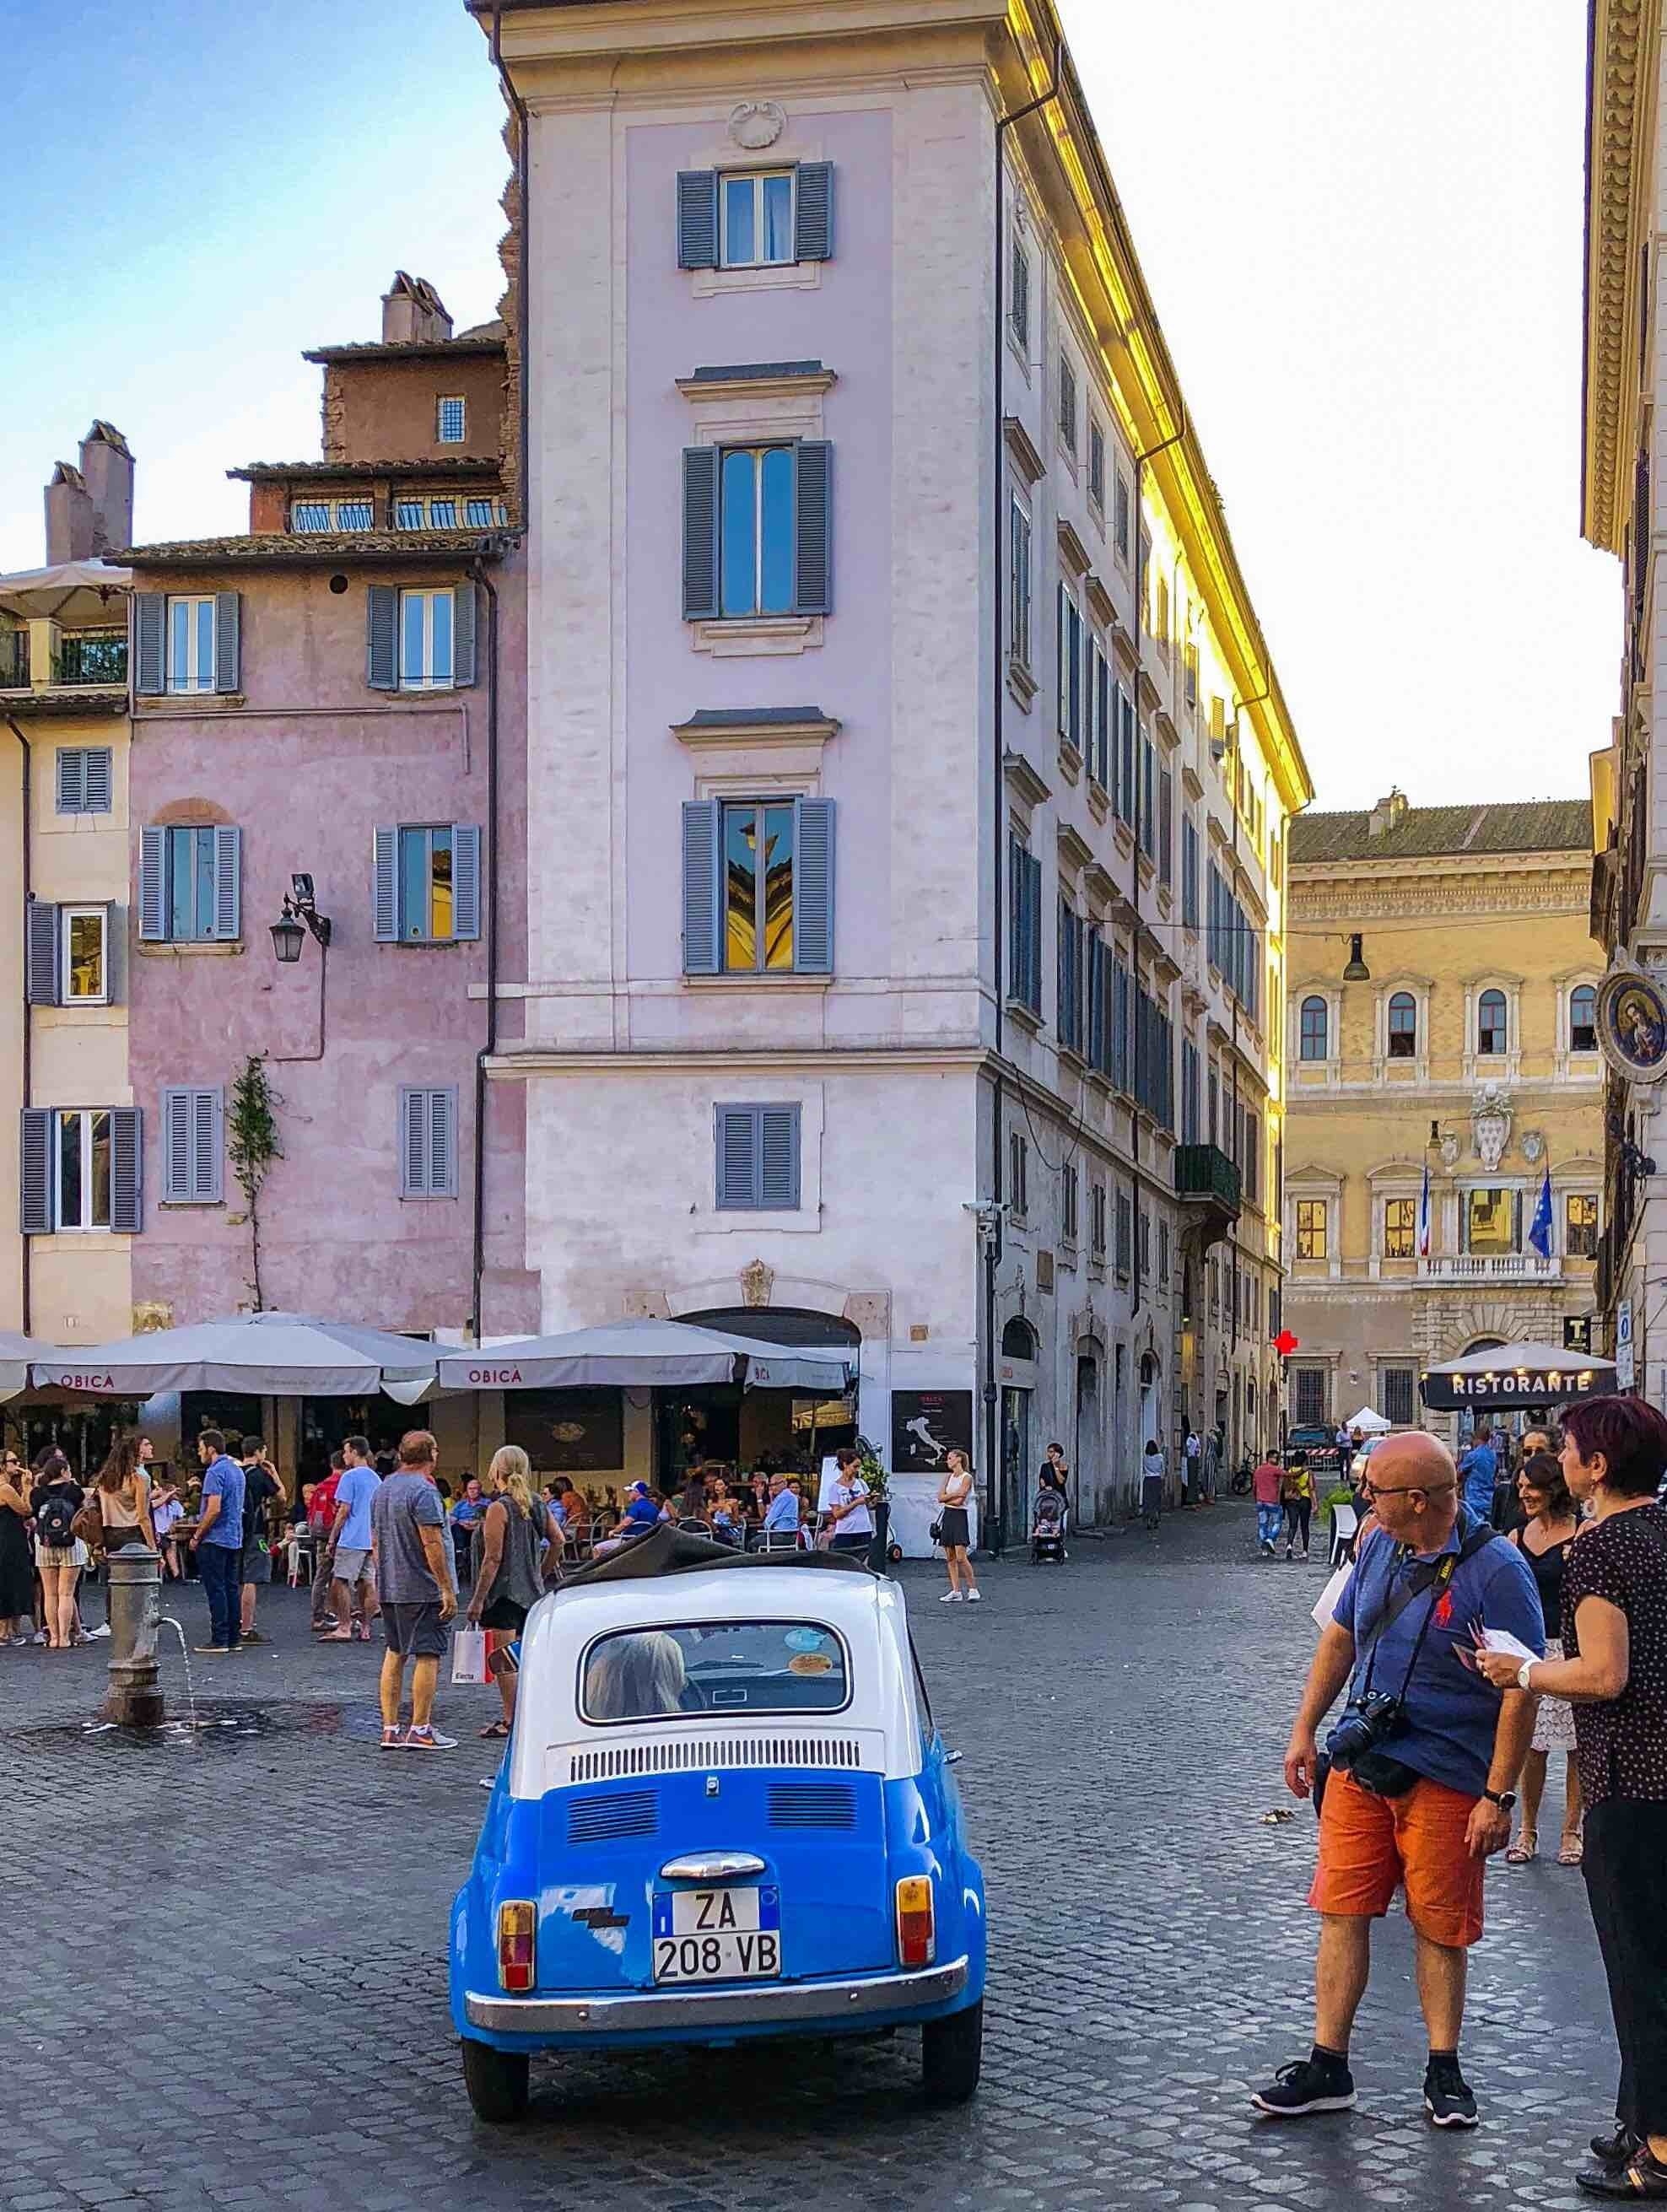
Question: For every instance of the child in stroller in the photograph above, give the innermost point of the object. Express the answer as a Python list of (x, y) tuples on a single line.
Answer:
[(1048, 1525)]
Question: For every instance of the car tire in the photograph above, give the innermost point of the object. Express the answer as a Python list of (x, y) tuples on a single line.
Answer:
[(496, 2081), (952, 2054)]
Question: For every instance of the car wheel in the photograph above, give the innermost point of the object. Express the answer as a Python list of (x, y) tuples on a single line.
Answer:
[(952, 2051), (495, 2080)]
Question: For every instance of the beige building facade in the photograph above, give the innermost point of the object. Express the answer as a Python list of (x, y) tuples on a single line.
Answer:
[(1442, 1020)]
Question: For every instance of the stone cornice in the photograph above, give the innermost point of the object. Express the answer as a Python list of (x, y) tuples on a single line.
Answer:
[(1620, 124)]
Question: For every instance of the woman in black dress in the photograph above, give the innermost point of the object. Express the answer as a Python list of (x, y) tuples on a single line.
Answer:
[(17, 1569)]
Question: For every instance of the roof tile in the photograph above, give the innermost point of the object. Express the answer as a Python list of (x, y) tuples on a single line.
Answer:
[(1520, 825)]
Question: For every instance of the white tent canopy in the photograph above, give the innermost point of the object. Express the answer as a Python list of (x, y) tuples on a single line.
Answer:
[(1524, 1359), (1369, 1421), (15, 1354), (266, 1355), (74, 593), (672, 1354)]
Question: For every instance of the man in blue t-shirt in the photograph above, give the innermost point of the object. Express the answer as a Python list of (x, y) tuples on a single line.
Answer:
[(1423, 1807), (218, 1542)]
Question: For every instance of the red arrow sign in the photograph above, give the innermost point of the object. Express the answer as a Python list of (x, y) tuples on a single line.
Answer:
[(1285, 1344)]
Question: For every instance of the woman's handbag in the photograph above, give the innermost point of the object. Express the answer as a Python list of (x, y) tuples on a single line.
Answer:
[(936, 1531), (87, 1527)]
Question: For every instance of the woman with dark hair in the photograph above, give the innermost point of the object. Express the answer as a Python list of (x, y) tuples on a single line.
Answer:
[(1549, 1526), (55, 1501), (1614, 1672), (16, 1579)]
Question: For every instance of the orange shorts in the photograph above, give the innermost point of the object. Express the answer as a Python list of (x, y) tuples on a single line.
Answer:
[(1371, 1846)]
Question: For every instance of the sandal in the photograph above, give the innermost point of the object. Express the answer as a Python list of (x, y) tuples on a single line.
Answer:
[(497, 1728), (1572, 1851), (1523, 1853)]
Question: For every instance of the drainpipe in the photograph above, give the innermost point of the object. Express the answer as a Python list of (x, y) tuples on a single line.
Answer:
[(995, 1486), (16, 729), (490, 1047)]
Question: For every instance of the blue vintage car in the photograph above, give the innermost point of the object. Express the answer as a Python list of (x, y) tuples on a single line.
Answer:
[(725, 1813)]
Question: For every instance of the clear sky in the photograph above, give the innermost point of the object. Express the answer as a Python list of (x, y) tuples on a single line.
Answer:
[(1362, 226)]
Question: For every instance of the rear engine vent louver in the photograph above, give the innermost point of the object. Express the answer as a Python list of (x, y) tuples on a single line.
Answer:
[(812, 1805), (703, 1754), (597, 1820)]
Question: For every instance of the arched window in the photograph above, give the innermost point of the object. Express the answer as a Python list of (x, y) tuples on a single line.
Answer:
[(1402, 1026), (1018, 1339), (1313, 1021), (1490, 1021), (1583, 1018)]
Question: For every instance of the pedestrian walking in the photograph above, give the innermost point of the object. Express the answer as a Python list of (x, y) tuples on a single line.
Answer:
[(263, 1488), (1548, 1529), (954, 1527), (417, 1589), (1193, 1490), (1152, 1482), (55, 1501), (851, 1522), (1296, 1498), (217, 1544), (350, 1545), (16, 1570), (512, 1543), (1268, 1485), (1416, 1785), (321, 1520), (1614, 1671)]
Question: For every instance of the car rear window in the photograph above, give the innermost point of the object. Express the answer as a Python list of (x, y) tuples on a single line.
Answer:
[(713, 1667)]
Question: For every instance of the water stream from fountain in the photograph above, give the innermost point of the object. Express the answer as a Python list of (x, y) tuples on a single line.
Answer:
[(168, 1621)]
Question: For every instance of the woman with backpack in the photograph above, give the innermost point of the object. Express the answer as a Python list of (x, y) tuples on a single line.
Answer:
[(56, 1500)]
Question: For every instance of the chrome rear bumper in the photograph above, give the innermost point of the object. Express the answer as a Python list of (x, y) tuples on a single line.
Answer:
[(763, 2004)]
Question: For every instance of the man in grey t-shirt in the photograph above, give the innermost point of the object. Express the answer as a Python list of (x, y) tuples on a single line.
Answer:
[(417, 1587)]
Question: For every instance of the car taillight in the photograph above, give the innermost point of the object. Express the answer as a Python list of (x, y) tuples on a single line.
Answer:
[(918, 1938), (518, 1926)]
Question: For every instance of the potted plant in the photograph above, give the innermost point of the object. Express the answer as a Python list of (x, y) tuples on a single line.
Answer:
[(876, 1481)]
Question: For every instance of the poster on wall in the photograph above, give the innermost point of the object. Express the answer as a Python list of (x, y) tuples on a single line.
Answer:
[(926, 1425), (567, 1431)]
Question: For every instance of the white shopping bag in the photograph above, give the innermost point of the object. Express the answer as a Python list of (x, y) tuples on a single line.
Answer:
[(469, 1657), (1325, 1606)]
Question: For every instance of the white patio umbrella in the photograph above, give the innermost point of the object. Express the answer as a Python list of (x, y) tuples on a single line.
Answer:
[(669, 1353), (266, 1355), (71, 592), (15, 1354), (1369, 1421)]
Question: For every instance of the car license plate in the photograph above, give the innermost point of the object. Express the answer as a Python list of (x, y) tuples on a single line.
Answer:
[(717, 1935)]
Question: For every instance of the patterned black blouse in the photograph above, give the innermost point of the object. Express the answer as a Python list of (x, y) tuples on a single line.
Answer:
[(1623, 1741)]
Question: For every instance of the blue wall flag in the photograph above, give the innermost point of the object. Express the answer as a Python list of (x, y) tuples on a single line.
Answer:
[(1540, 1235)]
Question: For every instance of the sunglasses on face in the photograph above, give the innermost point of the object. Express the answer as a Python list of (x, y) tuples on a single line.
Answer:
[(1407, 1489)]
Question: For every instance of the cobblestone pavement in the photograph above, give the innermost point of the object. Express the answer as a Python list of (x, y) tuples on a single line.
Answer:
[(227, 1965)]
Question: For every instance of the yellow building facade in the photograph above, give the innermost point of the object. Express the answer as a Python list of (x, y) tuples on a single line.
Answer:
[(1441, 1018)]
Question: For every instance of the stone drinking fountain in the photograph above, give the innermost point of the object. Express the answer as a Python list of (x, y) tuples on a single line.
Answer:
[(134, 1699)]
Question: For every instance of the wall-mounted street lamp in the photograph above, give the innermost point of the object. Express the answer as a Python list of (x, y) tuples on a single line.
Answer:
[(1357, 971), (299, 916)]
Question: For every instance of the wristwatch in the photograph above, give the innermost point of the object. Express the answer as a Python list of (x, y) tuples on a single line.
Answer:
[(1522, 1673), (1504, 1799)]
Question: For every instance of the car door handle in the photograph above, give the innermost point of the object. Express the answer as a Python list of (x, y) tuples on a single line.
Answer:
[(711, 1866)]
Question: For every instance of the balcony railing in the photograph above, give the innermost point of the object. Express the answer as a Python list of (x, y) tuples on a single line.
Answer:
[(95, 657), (1205, 1171), (14, 660), (1492, 1268)]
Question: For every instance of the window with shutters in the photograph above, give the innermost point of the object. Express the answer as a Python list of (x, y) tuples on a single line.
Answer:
[(190, 644), (1019, 585), (1018, 1175), (1122, 508), (1162, 1255), (1070, 961), (428, 1141), (1068, 637), (1165, 825), (758, 887), (1096, 463), (193, 1146), (189, 891), (756, 530), (1069, 1185), (1018, 305), (426, 632), (1097, 713), (451, 421), (758, 875), (1123, 797), (758, 220), (1067, 407), (426, 911), (427, 882), (1024, 926), (1097, 1224), (755, 218), (1189, 873), (84, 948), (82, 1171), (84, 779), (1125, 1251), (757, 1159)]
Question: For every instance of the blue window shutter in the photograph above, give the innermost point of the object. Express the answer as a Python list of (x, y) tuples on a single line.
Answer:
[(153, 886), (813, 212), (442, 1142), (1034, 873), (34, 1195), (149, 638), (703, 887), (209, 1115), (98, 778), (697, 218), (813, 525), (778, 1150), (813, 886), (413, 1142), (700, 533), (381, 637), (464, 609), (739, 1172), (228, 642), (193, 1145), (41, 952), (71, 779), (466, 879), (385, 845), (126, 1171), (228, 884), (178, 1135)]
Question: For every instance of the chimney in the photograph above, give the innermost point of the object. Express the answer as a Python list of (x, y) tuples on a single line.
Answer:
[(413, 313), (1388, 814), (106, 469), (71, 523)]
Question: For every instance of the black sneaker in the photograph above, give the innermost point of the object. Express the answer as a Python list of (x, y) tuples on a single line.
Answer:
[(1643, 2175), (1616, 2149), (1306, 2086), (1448, 2098)]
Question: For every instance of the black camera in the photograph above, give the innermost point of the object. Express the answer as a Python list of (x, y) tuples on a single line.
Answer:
[(1376, 1718)]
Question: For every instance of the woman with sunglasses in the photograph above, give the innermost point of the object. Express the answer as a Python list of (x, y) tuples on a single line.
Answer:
[(16, 1569)]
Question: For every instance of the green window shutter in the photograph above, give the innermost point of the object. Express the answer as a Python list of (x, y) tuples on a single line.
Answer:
[(466, 879), (381, 637), (464, 606), (813, 212), (41, 952), (228, 884), (813, 886), (385, 849), (697, 218), (228, 642), (126, 1171), (703, 887), (813, 527), (149, 642), (153, 886), (700, 533), (34, 1195)]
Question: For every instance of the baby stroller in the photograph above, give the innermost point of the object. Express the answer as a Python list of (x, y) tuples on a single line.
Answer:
[(1048, 1528)]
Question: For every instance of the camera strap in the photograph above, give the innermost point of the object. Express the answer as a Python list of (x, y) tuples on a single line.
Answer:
[(1431, 1575)]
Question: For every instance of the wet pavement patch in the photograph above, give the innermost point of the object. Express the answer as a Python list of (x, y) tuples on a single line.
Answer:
[(219, 1727)]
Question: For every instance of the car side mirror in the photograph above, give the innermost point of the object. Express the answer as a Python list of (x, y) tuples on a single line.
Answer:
[(953, 1757)]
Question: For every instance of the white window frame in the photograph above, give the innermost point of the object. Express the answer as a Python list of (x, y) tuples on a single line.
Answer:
[(458, 437), (1496, 1066), (756, 179), (1582, 1056), (428, 680), (66, 916), (85, 1115), (196, 679)]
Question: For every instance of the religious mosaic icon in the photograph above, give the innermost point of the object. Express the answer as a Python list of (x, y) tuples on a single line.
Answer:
[(1631, 1025)]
